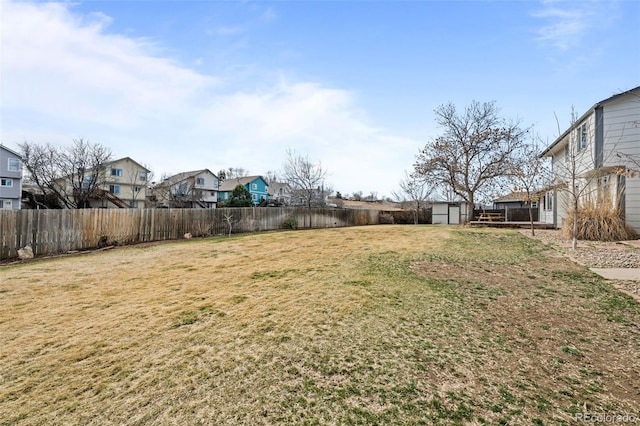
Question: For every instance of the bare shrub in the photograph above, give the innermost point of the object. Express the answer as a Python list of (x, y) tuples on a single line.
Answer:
[(386, 218)]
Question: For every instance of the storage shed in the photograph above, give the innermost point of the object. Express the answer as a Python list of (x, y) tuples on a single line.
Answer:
[(449, 212)]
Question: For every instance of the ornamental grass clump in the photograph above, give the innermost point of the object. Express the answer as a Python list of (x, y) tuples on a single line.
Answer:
[(599, 222)]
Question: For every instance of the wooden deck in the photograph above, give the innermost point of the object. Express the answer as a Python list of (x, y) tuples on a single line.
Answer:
[(494, 224)]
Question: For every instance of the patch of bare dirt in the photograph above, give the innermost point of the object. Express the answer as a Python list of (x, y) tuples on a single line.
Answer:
[(597, 254), (544, 320)]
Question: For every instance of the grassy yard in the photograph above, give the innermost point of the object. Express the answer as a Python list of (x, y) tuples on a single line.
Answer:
[(372, 325)]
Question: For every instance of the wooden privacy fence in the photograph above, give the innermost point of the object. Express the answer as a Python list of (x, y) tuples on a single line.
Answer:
[(61, 231)]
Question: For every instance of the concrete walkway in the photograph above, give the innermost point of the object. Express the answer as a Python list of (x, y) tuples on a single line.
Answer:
[(626, 274)]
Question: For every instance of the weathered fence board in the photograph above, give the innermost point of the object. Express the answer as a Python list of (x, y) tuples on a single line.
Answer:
[(61, 231)]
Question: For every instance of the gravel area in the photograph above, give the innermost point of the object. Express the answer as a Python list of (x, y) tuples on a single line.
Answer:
[(593, 254)]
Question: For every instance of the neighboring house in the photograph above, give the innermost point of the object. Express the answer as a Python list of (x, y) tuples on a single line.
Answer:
[(318, 197), (256, 185), (516, 207), (596, 149), (514, 200), (126, 179), (10, 179), (122, 183), (280, 193), (194, 189)]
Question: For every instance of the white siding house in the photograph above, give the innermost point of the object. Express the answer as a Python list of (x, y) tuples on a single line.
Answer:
[(597, 154), (194, 189), (10, 179)]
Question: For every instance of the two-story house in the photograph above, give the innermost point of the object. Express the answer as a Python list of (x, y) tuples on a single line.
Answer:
[(280, 193), (126, 180), (194, 189), (593, 157), (257, 186), (10, 179)]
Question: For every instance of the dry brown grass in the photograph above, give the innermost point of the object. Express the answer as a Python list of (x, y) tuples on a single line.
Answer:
[(375, 325), (599, 220)]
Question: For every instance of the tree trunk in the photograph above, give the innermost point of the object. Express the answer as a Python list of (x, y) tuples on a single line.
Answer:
[(470, 208), (533, 232), (574, 233)]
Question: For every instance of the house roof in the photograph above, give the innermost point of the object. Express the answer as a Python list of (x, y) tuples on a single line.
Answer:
[(513, 196), (179, 177), (108, 163), (11, 151), (230, 184), (589, 111)]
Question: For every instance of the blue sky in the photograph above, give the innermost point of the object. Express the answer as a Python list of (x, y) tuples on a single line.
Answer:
[(350, 84)]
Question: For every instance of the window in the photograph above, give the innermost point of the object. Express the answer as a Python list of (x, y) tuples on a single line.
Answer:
[(548, 201), (114, 189), (254, 186), (136, 189), (534, 204), (254, 197), (181, 189), (6, 182), (14, 165), (5, 204), (133, 204), (116, 172), (200, 181), (86, 181), (142, 176), (582, 137)]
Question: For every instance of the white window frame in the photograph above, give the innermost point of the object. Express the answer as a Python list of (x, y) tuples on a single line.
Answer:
[(582, 137), (182, 189), (116, 172), (142, 176), (6, 205), (114, 189), (548, 201), (254, 186), (13, 164), (6, 182)]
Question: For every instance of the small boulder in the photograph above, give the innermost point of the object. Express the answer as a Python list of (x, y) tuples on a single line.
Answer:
[(25, 253), (188, 235)]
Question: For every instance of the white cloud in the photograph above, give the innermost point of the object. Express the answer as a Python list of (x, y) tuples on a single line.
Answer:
[(567, 24), (65, 76)]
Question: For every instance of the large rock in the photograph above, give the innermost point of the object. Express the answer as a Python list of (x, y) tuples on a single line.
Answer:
[(25, 253)]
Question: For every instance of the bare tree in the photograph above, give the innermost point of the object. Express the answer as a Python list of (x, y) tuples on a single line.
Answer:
[(228, 217), (530, 175), (306, 179), (414, 190), (72, 174), (272, 176), (138, 180), (232, 173), (475, 152)]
